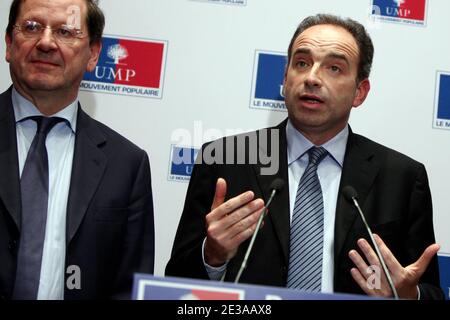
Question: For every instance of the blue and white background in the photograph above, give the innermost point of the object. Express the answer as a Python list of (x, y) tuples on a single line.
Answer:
[(208, 54)]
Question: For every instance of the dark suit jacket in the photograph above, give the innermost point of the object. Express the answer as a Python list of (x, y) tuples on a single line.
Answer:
[(110, 232), (393, 192)]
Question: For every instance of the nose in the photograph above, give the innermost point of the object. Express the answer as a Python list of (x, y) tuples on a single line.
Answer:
[(313, 78), (46, 41)]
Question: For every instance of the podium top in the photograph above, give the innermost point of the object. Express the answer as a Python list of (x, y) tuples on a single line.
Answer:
[(149, 287)]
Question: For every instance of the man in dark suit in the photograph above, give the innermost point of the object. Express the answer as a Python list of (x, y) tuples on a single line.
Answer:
[(316, 154), (94, 227)]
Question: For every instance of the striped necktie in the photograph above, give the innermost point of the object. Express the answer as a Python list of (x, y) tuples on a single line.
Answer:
[(306, 238)]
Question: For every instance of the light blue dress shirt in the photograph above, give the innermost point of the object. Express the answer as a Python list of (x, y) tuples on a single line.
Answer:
[(329, 173), (60, 145)]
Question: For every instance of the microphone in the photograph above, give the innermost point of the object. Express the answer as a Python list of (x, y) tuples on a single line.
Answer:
[(351, 195), (276, 186)]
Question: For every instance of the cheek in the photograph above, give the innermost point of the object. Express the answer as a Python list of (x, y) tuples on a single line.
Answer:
[(17, 54), (344, 92), (13, 58), (294, 80), (83, 60), (288, 87)]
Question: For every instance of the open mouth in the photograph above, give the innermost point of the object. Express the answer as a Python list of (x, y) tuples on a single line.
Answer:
[(310, 98)]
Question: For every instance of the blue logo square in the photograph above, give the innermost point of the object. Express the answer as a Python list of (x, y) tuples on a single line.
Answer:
[(182, 160), (444, 274), (269, 79), (444, 97), (267, 85)]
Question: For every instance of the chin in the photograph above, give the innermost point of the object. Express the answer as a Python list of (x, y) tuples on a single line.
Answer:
[(307, 121), (43, 84)]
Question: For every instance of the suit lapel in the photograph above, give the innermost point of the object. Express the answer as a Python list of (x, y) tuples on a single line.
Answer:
[(9, 163), (89, 164), (278, 210), (359, 171)]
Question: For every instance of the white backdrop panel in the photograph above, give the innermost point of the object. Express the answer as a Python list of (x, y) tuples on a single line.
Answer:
[(208, 78)]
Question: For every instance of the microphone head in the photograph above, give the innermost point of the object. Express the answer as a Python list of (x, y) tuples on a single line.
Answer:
[(277, 184), (349, 193)]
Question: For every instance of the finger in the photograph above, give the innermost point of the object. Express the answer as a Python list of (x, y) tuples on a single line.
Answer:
[(219, 195), (359, 262), (361, 281), (249, 222), (229, 206), (237, 216), (391, 262), (368, 252), (422, 263), (245, 234), (364, 274)]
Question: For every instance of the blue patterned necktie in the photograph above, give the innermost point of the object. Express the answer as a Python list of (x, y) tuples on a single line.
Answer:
[(306, 239), (34, 193)]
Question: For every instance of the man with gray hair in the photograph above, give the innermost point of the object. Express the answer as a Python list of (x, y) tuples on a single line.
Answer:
[(76, 208)]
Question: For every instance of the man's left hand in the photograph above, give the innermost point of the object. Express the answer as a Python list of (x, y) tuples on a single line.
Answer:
[(405, 279)]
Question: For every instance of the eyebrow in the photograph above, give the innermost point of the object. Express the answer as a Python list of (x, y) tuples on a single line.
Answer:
[(302, 51), (332, 55), (338, 56)]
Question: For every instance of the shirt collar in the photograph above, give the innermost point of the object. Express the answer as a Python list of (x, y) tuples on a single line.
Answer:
[(298, 144), (24, 108)]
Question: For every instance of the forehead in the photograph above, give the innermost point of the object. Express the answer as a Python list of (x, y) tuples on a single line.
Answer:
[(50, 10), (327, 38)]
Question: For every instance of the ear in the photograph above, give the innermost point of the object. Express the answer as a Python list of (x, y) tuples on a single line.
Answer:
[(8, 42), (96, 48), (361, 92), (284, 79)]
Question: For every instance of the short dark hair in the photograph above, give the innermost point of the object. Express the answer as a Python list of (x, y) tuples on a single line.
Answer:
[(356, 29), (95, 19)]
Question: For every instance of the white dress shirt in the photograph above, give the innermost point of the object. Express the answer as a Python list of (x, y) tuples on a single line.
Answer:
[(60, 145)]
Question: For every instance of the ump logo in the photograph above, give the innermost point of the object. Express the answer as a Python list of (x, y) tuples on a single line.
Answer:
[(128, 67), (444, 270), (267, 86), (157, 290), (182, 161), (442, 101), (403, 11)]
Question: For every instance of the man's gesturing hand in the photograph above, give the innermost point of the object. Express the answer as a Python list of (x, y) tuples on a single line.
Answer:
[(229, 223), (405, 279)]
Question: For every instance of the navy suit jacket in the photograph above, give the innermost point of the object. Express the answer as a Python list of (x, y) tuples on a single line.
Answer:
[(393, 193), (109, 228)]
